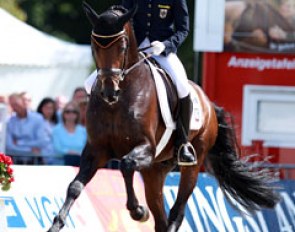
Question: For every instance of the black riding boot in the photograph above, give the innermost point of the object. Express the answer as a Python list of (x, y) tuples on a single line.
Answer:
[(185, 152)]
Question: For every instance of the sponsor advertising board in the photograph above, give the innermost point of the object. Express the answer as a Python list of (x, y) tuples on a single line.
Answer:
[(208, 209), (259, 91), (39, 191)]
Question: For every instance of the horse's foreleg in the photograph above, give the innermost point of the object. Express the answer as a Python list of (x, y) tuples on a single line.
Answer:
[(154, 178), (137, 159), (188, 180), (87, 170)]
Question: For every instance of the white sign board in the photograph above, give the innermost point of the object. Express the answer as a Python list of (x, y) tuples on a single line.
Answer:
[(30, 205), (209, 25)]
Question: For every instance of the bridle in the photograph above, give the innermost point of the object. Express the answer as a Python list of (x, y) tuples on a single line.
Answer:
[(118, 72)]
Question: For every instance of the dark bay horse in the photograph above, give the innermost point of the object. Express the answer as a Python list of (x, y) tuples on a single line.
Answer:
[(124, 122)]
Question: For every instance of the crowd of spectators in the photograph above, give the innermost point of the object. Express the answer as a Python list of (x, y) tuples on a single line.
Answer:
[(53, 134)]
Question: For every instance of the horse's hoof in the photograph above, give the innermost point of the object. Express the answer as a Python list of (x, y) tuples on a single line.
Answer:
[(141, 213), (58, 223), (172, 228), (52, 229), (146, 214)]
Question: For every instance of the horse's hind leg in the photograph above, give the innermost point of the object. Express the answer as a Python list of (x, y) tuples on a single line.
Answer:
[(137, 159), (154, 179), (188, 180), (87, 170)]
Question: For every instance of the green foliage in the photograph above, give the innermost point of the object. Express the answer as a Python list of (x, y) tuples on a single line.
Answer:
[(12, 7), (66, 19), (62, 18)]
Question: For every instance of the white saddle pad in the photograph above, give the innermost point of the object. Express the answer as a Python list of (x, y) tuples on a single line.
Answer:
[(197, 116)]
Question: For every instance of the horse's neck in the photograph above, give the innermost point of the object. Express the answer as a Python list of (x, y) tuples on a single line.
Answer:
[(133, 49)]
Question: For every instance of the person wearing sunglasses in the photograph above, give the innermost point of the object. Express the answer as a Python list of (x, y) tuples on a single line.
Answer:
[(69, 137)]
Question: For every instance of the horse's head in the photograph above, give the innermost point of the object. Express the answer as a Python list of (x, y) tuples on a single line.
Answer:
[(110, 44)]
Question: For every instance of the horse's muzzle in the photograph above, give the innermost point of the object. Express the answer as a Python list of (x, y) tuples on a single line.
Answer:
[(110, 89), (110, 95)]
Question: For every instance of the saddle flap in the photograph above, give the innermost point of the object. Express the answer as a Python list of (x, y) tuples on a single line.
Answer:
[(196, 119)]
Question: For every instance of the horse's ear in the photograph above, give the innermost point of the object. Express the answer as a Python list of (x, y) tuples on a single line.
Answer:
[(90, 13), (127, 16)]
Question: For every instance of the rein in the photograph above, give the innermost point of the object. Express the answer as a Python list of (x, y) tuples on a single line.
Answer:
[(145, 57)]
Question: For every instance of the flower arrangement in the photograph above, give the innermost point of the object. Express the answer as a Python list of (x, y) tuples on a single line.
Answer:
[(6, 172)]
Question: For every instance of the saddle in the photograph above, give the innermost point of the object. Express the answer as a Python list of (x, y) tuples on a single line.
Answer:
[(168, 103), (169, 86)]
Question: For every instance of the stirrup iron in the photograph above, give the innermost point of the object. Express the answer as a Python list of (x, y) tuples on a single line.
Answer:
[(189, 146)]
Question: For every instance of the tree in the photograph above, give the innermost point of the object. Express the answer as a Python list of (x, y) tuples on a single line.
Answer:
[(12, 7), (62, 18), (66, 20)]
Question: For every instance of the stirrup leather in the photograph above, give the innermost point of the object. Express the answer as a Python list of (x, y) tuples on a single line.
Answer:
[(190, 146)]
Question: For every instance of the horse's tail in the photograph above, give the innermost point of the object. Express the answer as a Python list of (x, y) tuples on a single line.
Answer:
[(236, 178)]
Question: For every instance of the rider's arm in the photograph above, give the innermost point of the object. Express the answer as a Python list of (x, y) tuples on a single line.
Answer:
[(181, 24)]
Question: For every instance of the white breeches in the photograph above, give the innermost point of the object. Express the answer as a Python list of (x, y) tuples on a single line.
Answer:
[(170, 63), (175, 69)]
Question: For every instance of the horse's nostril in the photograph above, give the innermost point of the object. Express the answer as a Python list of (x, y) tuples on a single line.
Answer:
[(110, 96), (117, 92)]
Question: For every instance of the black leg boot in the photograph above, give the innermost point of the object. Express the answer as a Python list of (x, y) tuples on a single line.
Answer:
[(185, 152)]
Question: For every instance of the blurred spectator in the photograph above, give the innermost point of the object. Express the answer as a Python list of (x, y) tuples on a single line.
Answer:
[(60, 102), (27, 99), (3, 99), (69, 137), (83, 108), (4, 115), (81, 98), (48, 110), (25, 134), (79, 95), (4, 102)]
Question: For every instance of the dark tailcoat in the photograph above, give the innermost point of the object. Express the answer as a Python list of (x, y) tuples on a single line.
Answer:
[(163, 20)]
